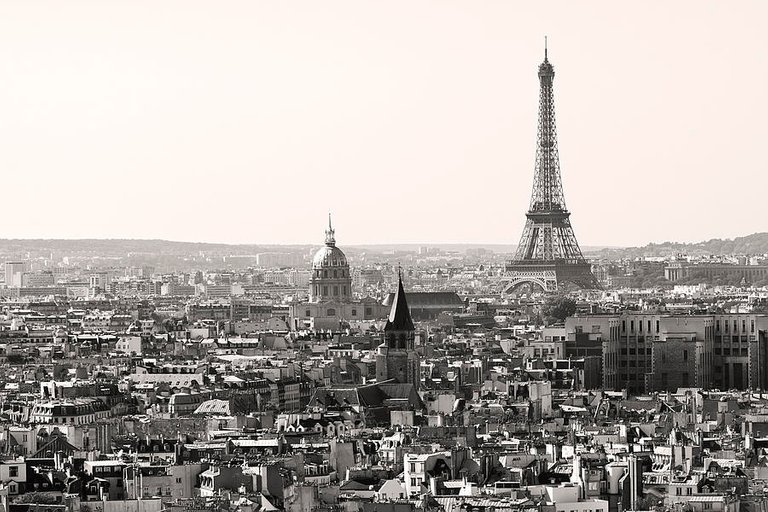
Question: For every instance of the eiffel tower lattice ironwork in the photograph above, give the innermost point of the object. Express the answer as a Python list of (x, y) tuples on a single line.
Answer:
[(548, 254)]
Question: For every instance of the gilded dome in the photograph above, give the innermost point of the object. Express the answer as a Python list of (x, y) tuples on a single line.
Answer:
[(329, 256)]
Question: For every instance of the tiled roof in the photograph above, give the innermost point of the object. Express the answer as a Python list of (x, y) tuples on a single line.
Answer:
[(57, 444), (213, 407)]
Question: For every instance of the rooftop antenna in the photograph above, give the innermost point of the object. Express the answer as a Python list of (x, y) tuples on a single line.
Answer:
[(545, 47)]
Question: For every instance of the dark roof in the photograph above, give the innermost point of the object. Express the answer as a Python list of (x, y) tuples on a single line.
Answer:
[(420, 299), (336, 397), (399, 316), (57, 444), (370, 395), (354, 485)]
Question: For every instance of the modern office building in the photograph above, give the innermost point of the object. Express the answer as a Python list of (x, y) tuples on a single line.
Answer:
[(655, 352)]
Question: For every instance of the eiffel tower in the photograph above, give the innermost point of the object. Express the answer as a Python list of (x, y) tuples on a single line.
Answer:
[(548, 254)]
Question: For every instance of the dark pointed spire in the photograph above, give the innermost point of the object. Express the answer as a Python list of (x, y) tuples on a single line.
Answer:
[(330, 233), (399, 316), (545, 48)]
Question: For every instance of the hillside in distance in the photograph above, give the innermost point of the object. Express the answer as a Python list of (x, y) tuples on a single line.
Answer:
[(122, 246), (756, 243)]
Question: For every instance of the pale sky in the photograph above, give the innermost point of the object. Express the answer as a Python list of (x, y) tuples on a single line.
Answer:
[(412, 121)]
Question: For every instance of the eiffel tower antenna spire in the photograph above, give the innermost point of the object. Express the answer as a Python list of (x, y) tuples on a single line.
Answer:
[(548, 253)]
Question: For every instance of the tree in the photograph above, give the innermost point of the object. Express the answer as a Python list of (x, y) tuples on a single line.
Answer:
[(557, 308), (41, 498)]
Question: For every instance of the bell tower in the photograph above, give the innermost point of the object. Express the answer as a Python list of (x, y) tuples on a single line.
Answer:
[(397, 358)]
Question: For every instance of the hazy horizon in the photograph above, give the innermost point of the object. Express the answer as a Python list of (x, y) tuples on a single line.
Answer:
[(587, 247), (246, 122)]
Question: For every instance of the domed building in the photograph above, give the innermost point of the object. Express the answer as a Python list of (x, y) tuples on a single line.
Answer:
[(331, 280), (331, 301)]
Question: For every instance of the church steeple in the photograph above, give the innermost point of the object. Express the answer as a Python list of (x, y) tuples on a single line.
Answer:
[(398, 357), (399, 316)]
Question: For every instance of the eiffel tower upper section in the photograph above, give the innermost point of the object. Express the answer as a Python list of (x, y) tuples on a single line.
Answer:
[(547, 193), (548, 252)]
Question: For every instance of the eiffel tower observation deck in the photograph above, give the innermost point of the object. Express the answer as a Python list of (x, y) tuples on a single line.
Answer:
[(548, 256)]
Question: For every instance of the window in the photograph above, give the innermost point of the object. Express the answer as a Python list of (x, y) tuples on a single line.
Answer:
[(685, 355), (331, 312), (335, 290), (354, 312), (413, 467), (178, 480), (307, 313), (414, 483), (13, 471)]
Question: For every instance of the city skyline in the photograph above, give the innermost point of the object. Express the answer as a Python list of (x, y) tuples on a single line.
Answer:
[(131, 131), (405, 256)]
